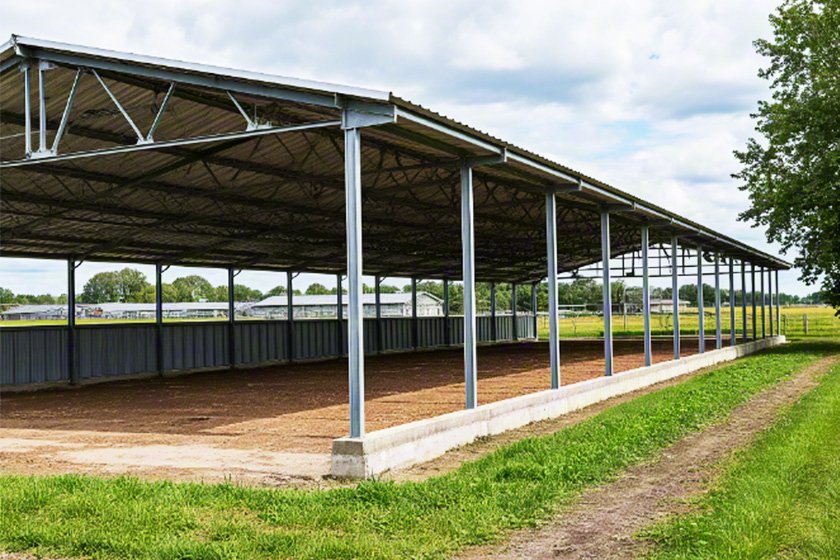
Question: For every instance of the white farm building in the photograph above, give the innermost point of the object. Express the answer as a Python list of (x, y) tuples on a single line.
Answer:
[(325, 306)]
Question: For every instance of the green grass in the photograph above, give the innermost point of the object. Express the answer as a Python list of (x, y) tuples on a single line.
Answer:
[(779, 498), (821, 323), (514, 487)]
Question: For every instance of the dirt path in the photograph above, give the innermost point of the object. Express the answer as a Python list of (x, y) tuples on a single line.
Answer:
[(603, 521)]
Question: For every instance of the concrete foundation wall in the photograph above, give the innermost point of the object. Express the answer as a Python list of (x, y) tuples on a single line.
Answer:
[(423, 440)]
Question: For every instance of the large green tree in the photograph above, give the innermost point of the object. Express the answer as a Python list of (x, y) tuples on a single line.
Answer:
[(126, 285), (792, 171)]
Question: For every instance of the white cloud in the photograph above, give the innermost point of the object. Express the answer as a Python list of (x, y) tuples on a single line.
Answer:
[(650, 96)]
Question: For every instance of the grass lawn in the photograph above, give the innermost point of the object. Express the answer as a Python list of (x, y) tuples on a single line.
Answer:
[(516, 486), (821, 323), (780, 498)]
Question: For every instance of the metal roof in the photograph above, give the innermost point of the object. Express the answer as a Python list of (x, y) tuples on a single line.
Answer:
[(246, 170)]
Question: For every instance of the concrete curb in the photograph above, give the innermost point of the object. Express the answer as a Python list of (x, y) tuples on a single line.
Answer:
[(420, 441)]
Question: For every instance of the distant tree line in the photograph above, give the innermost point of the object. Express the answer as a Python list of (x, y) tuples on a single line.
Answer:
[(131, 286)]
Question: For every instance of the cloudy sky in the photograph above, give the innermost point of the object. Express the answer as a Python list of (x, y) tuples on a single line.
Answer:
[(650, 96)]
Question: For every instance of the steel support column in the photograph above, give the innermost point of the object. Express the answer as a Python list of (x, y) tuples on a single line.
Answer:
[(778, 312), (27, 107), (339, 313), (607, 291), (377, 294), (355, 339), (494, 333), (159, 318), (42, 109), (534, 310), (646, 295), (72, 367), (415, 332), (752, 298), (468, 263), (447, 333), (701, 329), (770, 301), (231, 320), (762, 296), (675, 297), (551, 247), (732, 335), (513, 312), (718, 330), (290, 316), (744, 335)]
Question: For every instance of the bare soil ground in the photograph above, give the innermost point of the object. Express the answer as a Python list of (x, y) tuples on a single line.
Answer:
[(271, 425), (603, 521)]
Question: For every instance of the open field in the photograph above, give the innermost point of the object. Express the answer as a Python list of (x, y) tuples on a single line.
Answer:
[(779, 498), (820, 320), (259, 425), (515, 487)]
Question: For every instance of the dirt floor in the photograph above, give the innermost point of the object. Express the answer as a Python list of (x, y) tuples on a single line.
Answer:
[(603, 522), (271, 425)]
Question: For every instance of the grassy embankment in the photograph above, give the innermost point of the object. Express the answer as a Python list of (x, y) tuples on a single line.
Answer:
[(780, 498), (479, 503)]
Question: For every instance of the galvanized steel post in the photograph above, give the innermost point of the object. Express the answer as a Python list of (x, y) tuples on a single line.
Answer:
[(447, 334), (761, 284), (355, 342), (231, 320), (468, 264), (752, 297), (701, 329), (415, 334), (290, 316), (607, 291), (514, 314), (675, 296), (339, 314), (718, 331), (744, 301), (72, 368), (551, 247), (534, 310), (27, 107), (770, 300), (646, 295), (732, 336), (159, 317), (494, 334), (778, 313), (42, 108), (377, 294)]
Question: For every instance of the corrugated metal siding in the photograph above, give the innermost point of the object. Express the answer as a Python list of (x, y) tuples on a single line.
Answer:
[(195, 345), (396, 334), (35, 355), (261, 341), (316, 339), (39, 354), (113, 350)]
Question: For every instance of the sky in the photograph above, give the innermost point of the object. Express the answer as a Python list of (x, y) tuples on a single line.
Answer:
[(650, 96)]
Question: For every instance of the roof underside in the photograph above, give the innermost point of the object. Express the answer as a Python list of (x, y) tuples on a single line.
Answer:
[(274, 198)]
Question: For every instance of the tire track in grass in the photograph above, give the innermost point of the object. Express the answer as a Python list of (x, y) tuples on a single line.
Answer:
[(603, 520)]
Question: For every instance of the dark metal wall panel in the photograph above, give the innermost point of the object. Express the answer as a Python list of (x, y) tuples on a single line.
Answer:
[(504, 327), (195, 345), (396, 334), (261, 341), (316, 339), (430, 332), (456, 330), (39, 354), (525, 326), (483, 328), (33, 355), (114, 350)]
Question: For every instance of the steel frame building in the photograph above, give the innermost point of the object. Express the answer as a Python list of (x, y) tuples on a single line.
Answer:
[(110, 156)]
